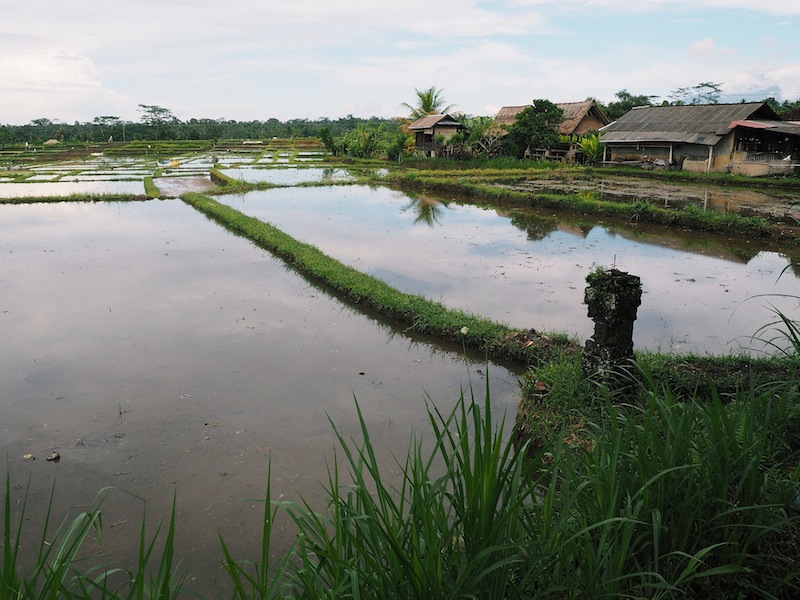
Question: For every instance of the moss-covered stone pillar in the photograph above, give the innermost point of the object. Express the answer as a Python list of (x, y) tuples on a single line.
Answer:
[(613, 298)]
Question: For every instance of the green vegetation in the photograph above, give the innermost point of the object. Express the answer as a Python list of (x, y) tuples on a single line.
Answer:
[(418, 313), (536, 127), (494, 185), (592, 149), (151, 189), (362, 142), (74, 198), (56, 566), (158, 124), (664, 497)]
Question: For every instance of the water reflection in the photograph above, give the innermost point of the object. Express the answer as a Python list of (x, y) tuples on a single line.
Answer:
[(428, 210), (68, 188), (779, 203), (528, 268), (287, 175), (158, 353)]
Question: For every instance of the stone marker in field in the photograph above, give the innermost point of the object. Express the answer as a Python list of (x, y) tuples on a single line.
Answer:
[(613, 298)]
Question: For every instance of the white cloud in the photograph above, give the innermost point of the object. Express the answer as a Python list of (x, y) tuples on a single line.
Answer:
[(707, 48), (250, 59)]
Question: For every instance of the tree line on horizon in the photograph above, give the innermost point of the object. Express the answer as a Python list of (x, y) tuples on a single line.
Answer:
[(159, 123), (350, 135)]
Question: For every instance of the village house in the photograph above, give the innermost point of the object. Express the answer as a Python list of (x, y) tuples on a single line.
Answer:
[(747, 139), (580, 118), (430, 127)]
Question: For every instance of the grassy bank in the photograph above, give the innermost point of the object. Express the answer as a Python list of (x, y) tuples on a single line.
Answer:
[(75, 198), (416, 312), (555, 169), (488, 186)]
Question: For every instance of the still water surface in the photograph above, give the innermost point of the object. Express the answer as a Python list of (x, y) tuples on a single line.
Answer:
[(528, 269), (159, 353)]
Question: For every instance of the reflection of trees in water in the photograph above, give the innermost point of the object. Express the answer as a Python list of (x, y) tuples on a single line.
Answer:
[(744, 253), (536, 228), (794, 265), (429, 211)]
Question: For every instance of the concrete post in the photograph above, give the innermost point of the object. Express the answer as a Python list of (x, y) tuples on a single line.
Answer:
[(613, 298)]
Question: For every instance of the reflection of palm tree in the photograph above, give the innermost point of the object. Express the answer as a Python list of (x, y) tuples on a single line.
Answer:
[(429, 211), (429, 102)]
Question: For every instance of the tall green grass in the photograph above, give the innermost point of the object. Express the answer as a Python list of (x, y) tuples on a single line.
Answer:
[(661, 496), (452, 528), (52, 569), (665, 497), (57, 565)]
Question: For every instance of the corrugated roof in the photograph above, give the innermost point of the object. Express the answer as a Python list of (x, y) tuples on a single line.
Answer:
[(574, 113), (694, 124), (429, 121), (778, 126)]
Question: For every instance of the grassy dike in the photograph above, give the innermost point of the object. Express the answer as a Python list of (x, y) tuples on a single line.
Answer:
[(486, 186), (419, 314)]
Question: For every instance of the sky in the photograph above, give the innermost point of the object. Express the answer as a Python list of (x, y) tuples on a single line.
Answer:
[(308, 59)]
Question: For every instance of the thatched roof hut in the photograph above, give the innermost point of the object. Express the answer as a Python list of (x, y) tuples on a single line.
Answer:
[(429, 127), (579, 117)]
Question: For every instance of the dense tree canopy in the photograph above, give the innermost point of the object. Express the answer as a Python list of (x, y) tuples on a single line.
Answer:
[(625, 102), (168, 127), (535, 127)]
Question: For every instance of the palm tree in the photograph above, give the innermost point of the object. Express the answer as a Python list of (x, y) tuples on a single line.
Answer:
[(429, 102)]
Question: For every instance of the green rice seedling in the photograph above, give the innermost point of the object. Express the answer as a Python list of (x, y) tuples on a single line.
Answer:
[(489, 490), (458, 534), (677, 494), (59, 569), (375, 541), (144, 582), (258, 579), (53, 571), (782, 336), (668, 497)]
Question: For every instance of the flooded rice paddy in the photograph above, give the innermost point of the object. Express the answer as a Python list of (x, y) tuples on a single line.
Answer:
[(777, 204), (159, 353), (288, 175), (528, 268)]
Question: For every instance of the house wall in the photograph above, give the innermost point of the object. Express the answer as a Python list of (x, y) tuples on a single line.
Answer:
[(689, 157), (423, 140), (446, 132), (587, 124), (426, 139), (637, 152)]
